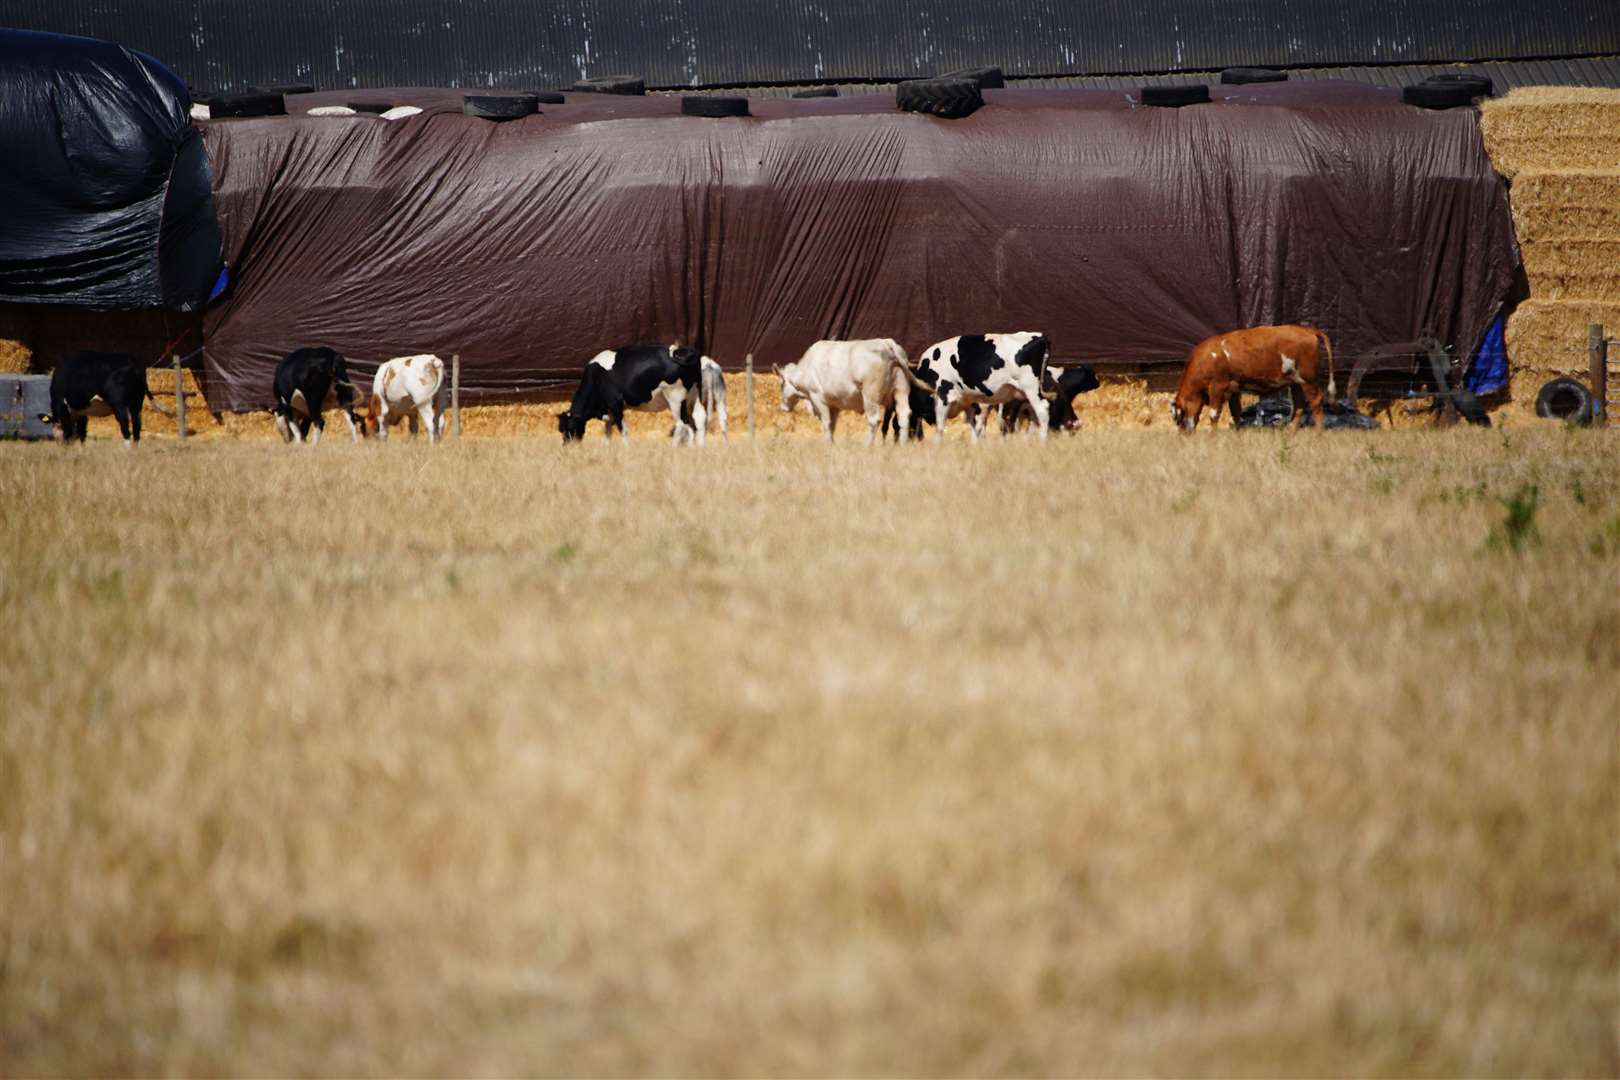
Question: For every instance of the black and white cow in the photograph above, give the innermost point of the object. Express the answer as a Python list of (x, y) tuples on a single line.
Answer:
[(646, 378), (985, 369), (99, 384), (308, 382), (1060, 387)]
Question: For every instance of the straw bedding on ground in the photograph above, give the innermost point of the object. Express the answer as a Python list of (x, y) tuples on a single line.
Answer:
[(1127, 754)]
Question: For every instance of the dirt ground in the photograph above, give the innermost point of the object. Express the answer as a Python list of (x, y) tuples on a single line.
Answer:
[(1126, 754)]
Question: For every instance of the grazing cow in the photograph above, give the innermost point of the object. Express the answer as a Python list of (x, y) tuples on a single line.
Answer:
[(408, 387), (98, 384), (985, 369), (868, 376), (712, 393), (308, 382), (1060, 387), (646, 378), (1263, 359)]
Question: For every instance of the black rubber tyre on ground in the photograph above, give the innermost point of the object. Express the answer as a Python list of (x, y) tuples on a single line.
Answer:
[(612, 84), (1242, 76), (370, 108), (988, 78), (547, 97), (1480, 85), (500, 106), (950, 99), (816, 91), (286, 88), (1565, 399), (1433, 95), (1173, 97), (714, 106), (242, 106)]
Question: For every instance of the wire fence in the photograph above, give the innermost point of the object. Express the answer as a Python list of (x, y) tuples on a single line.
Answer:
[(1403, 372)]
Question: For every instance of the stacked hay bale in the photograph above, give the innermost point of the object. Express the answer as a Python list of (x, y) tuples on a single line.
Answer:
[(1559, 147)]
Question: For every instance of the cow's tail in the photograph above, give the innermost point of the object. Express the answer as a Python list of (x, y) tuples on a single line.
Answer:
[(158, 405), (898, 354), (1326, 347)]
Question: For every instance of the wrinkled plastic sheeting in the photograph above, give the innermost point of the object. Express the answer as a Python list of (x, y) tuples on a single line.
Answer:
[(106, 197), (1125, 233)]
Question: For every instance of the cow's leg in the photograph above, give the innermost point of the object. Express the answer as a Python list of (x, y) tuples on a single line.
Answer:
[(1031, 389), (354, 429), (1234, 405), (942, 410), (416, 428), (1214, 401), (425, 412), (135, 422), (977, 415), (1314, 398), (382, 423), (121, 414), (700, 419), (81, 428), (318, 421), (720, 415)]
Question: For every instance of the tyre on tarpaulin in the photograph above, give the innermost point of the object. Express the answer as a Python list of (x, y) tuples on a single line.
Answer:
[(612, 84), (1173, 97), (698, 105), (950, 99), (499, 106)]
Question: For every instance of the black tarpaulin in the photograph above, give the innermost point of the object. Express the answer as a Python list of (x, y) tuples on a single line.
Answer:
[(105, 192), (1125, 233)]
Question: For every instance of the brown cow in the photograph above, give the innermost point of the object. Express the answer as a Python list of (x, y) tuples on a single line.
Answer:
[(1261, 359)]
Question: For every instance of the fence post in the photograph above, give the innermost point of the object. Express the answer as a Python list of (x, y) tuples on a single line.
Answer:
[(179, 398), (748, 378), (1597, 352), (455, 394)]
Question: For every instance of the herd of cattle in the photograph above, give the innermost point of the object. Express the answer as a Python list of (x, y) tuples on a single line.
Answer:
[(971, 374)]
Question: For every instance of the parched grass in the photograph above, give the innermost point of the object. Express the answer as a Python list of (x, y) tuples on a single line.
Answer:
[(1128, 754)]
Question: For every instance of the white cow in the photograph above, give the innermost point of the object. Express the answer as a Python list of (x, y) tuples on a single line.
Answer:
[(408, 387), (985, 369), (712, 395), (867, 376)]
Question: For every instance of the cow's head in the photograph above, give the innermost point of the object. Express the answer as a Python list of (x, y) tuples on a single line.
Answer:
[(1184, 412), (791, 394), (371, 419), (685, 356), (572, 427)]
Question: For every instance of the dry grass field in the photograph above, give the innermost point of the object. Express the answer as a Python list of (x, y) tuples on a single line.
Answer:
[(1128, 754)]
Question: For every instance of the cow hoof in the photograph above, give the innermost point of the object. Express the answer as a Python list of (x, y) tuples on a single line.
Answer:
[(950, 99)]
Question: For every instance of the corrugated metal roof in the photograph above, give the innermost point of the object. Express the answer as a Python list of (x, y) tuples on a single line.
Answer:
[(516, 43), (1603, 71)]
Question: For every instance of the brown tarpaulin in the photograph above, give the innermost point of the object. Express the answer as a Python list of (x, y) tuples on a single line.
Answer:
[(1125, 233)]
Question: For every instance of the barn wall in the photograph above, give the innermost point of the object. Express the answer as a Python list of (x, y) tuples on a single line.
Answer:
[(223, 44)]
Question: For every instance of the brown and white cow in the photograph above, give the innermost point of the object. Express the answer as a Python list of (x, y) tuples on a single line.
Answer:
[(1262, 359), (407, 387)]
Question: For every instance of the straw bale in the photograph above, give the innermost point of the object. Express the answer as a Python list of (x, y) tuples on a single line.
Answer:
[(1587, 269), (1552, 128), (1566, 204), (1550, 335), (15, 357)]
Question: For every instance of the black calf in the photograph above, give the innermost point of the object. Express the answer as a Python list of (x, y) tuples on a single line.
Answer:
[(98, 384), (308, 382)]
